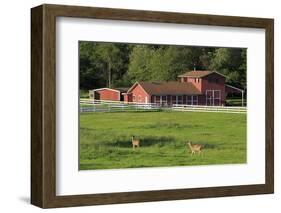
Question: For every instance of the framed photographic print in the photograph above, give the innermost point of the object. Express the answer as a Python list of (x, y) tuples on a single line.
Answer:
[(138, 106)]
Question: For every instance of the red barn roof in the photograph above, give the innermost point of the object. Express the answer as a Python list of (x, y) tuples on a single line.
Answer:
[(167, 88)]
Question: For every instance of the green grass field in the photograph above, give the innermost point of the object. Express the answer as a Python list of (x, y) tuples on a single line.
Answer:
[(105, 139)]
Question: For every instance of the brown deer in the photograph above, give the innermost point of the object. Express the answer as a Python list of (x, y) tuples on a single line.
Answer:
[(195, 147), (135, 142)]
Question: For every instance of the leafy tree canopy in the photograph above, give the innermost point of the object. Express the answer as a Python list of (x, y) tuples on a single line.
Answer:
[(120, 65)]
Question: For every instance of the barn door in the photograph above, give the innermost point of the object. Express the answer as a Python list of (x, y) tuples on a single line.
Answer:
[(213, 97), (217, 98)]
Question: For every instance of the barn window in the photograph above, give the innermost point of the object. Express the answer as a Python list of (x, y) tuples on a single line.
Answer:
[(174, 99), (180, 99), (195, 100), (157, 100), (189, 100), (192, 100), (134, 98), (163, 100), (139, 98)]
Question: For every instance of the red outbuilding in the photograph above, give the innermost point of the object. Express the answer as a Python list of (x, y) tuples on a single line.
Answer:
[(107, 94)]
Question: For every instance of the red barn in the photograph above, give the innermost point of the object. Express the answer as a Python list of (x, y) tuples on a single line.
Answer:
[(162, 93), (211, 85), (193, 88), (107, 94)]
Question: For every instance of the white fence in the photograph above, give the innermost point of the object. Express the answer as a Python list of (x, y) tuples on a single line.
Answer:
[(195, 108), (87, 105), (115, 106)]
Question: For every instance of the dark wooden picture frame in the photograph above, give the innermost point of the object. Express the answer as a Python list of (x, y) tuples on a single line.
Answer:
[(43, 105)]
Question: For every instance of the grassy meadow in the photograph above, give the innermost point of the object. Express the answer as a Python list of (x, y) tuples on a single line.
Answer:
[(105, 139)]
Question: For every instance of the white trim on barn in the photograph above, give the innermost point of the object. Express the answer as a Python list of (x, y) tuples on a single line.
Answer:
[(227, 85), (129, 90), (210, 100), (218, 74), (180, 98), (191, 100), (242, 92), (106, 88)]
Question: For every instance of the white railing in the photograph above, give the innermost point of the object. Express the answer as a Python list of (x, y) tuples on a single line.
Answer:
[(90, 105), (93, 101), (200, 108), (115, 106)]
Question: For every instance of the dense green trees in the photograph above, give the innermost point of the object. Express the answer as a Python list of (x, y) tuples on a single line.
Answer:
[(102, 64), (119, 65), (161, 64), (232, 63)]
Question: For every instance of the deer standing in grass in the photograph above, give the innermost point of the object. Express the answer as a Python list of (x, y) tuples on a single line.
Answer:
[(195, 147), (135, 142)]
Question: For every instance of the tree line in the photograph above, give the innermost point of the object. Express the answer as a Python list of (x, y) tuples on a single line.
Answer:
[(121, 65)]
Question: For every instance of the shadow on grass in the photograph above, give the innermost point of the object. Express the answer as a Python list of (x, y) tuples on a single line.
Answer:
[(206, 145), (126, 141)]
